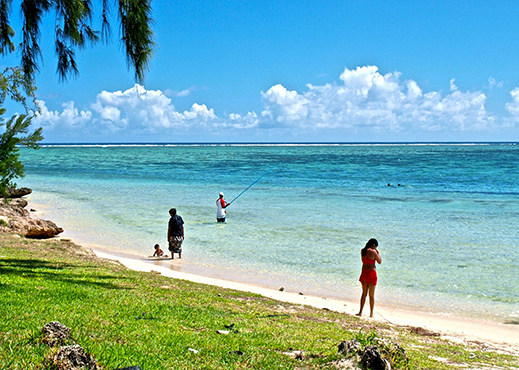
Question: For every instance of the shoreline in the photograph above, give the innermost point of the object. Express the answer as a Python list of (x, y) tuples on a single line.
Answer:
[(504, 337), (457, 329)]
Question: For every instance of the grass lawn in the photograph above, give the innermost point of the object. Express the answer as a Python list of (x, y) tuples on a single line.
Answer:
[(124, 318)]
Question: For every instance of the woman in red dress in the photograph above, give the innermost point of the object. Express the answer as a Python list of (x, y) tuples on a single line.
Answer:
[(368, 278)]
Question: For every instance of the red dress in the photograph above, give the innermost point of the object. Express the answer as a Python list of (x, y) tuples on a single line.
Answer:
[(368, 276)]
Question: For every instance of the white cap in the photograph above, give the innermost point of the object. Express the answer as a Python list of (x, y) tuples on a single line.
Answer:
[(221, 194)]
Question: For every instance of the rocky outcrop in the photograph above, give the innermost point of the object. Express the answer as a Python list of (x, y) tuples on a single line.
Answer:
[(55, 334), (15, 218), (18, 193), (36, 228), (73, 357), (69, 355), (350, 347), (372, 359), (381, 356)]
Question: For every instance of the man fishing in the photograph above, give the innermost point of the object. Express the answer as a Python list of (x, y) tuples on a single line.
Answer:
[(221, 204)]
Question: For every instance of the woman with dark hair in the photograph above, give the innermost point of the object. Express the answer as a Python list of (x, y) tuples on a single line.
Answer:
[(368, 278)]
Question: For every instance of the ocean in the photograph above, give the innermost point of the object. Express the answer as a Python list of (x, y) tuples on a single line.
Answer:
[(445, 215)]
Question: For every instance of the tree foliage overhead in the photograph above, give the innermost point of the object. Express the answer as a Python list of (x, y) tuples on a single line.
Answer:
[(73, 30)]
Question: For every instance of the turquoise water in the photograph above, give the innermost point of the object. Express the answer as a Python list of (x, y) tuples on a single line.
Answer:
[(447, 227)]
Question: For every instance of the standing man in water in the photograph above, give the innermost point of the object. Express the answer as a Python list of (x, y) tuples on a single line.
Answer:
[(175, 233), (221, 204)]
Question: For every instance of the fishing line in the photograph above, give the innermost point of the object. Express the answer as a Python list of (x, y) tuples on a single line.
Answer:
[(259, 178)]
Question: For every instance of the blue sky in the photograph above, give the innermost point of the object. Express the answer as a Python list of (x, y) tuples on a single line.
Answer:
[(297, 71)]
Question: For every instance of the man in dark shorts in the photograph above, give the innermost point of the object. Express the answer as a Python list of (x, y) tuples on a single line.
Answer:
[(175, 233)]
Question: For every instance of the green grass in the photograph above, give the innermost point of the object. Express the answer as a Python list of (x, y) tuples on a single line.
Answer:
[(124, 318)]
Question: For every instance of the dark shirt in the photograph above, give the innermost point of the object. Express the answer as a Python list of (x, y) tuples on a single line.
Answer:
[(175, 226)]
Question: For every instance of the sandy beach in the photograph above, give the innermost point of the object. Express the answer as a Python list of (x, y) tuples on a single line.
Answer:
[(499, 336)]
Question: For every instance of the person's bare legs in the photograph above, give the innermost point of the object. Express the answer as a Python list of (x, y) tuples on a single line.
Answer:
[(371, 299), (363, 298)]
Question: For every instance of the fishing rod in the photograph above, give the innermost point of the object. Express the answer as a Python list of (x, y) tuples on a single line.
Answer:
[(259, 178)]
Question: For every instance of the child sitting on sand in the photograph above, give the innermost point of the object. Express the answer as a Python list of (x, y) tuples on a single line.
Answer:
[(158, 252)]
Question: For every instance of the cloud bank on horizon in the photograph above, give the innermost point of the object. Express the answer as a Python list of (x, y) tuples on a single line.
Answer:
[(364, 103)]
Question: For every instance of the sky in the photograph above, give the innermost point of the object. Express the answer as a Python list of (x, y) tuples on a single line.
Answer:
[(295, 71)]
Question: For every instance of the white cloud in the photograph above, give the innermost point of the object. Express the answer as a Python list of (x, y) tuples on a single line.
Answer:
[(138, 113), (513, 108), (283, 105), (368, 100), (453, 86), (238, 121), (69, 119), (183, 93), (362, 102), (200, 112), (179, 94), (365, 79), (146, 110), (493, 83)]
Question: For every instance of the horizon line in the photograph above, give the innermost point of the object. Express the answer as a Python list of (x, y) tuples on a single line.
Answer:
[(280, 143)]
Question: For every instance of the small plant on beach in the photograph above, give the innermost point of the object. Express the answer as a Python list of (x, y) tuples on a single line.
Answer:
[(366, 338)]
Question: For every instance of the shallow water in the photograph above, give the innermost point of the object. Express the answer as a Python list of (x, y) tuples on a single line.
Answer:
[(446, 226)]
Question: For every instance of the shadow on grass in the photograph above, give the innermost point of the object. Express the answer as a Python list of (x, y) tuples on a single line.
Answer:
[(32, 268)]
